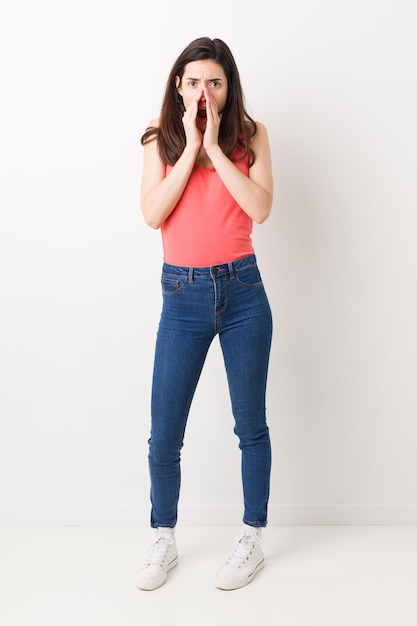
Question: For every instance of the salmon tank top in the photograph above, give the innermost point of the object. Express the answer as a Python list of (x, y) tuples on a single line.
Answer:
[(207, 226)]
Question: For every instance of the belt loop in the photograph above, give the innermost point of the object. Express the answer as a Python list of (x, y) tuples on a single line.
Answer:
[(231, 269), (190, 275)]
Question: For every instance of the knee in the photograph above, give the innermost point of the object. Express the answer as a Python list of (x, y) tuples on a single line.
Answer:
[(164, 452), (253, 436)]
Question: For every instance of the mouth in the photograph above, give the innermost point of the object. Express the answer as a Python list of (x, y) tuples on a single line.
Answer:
[(202, 114)]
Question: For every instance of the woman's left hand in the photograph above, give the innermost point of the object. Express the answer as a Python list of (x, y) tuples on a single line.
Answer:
[(211, 133)]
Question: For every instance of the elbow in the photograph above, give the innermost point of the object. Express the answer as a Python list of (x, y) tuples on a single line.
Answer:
[(260, 219), (155, 224), (262, 216), (263, 209), (151, 219)]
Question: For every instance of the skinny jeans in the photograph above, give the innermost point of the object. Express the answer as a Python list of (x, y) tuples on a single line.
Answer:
[(227, 300)]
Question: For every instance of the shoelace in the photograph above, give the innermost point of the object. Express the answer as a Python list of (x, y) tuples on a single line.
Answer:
[(244, 542), (159, 549)]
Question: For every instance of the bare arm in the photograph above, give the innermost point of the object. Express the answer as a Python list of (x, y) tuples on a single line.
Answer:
[(160, 193), (253, 193)]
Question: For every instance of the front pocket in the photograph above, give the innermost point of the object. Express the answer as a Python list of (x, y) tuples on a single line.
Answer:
[(249, 276), (172, 284)]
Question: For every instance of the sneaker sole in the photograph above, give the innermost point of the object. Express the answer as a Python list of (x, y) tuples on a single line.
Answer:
[(150, 586), (244, 582), (173, 563)]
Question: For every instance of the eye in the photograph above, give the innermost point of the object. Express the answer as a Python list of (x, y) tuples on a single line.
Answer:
[(214, 83)]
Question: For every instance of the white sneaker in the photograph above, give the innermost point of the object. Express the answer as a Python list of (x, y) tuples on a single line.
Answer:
[(162, 557), (247, 560)]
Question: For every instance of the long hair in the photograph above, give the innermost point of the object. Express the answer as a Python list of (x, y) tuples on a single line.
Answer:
[(236, 128)]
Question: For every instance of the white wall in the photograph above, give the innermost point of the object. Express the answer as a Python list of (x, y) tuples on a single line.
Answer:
[(335, 83)]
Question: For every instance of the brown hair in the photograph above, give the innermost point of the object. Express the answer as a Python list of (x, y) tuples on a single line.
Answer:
[(237, 126)]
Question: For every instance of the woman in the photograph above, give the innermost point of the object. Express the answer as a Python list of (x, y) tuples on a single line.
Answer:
[(206, 177)]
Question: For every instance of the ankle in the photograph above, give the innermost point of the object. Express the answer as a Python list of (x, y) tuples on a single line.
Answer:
[(253, 529), (165, 530)]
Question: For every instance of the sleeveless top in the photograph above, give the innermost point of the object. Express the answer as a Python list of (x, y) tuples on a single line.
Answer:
[(207, 226)]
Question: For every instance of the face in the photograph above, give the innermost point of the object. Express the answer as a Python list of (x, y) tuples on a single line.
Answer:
[(203, 74)]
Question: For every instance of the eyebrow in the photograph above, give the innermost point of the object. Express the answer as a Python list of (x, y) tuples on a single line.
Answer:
[(196, 79)]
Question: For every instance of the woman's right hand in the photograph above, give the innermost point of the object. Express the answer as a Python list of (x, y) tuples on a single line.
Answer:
[(193, 135)]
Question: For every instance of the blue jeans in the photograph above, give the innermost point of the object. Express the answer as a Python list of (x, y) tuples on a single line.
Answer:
[(199, 303)]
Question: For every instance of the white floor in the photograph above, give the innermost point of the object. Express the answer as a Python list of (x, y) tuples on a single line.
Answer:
[(314, 576)]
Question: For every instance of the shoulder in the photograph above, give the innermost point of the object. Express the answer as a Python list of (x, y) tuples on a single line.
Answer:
[(151, 133), (154, 123), (260, 138), (261, 130)]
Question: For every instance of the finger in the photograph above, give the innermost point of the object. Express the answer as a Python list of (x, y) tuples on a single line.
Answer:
[(212, 106), (209, 108), (191, 112)]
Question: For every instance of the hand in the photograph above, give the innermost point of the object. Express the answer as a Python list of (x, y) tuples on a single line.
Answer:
[(193, 135), (211, 135)]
